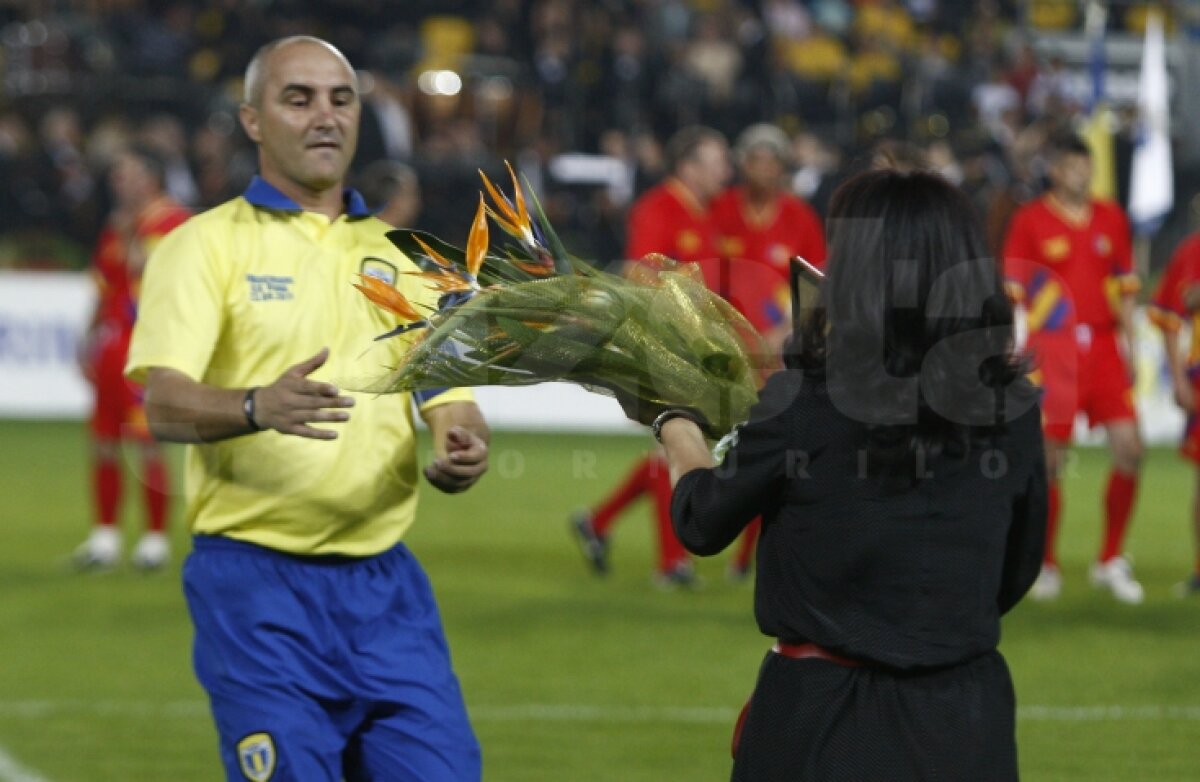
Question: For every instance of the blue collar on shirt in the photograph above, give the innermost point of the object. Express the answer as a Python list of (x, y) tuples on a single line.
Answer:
[(263, 194)]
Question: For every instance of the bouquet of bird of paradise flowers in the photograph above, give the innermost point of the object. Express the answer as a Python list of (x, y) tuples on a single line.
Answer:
[(530, 313)]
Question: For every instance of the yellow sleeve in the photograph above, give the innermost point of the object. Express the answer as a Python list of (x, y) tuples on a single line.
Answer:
[(430, 398), (426, 402), (181, 306)]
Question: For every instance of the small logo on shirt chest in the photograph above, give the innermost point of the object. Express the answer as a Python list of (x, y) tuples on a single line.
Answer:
[(1056, 248), (269, 287), (379, 269), (688, 241)]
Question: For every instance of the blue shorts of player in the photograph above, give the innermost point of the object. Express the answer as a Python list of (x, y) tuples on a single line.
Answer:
[(320, 669)]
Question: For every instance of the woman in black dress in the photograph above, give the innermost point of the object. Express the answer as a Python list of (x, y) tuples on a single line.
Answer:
[(897, 464)]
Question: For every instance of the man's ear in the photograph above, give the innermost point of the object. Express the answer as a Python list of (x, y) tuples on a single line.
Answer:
[(248, 115)]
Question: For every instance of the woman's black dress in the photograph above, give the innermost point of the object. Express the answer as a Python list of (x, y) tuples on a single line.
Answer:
[(906, 569)]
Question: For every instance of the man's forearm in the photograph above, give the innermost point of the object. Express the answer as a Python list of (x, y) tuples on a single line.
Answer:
[(442, 418), (1171, 353), (1176, 364), (181, 410), (1128, 313), (1128, 331)]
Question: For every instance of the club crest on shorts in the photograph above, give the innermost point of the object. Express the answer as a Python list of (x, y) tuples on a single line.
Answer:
[(256, 756), (379, 269)]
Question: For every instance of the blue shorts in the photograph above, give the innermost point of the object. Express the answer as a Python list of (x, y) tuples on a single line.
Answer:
[(320, 669)]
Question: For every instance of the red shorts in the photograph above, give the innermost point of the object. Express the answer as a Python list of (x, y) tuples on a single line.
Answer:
[(1190, 447), (118, 413), (1081, 371), (1191, 439)]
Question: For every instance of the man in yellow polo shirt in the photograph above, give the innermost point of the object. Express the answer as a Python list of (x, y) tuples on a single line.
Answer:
[(317, 637)]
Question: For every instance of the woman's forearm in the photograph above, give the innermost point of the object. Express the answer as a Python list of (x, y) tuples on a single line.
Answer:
[(685, 447)]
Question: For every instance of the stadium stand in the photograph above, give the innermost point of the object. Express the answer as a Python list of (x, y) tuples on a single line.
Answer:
[(477, 83)]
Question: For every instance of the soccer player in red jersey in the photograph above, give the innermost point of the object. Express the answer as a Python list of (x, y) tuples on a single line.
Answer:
[(1176, 303), (143, 214), (758, 220), (760, 227), (671, 218), (1068, 261)]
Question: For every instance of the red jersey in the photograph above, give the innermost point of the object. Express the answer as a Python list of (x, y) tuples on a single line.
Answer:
[(1069, 272), (118, 284), (1168, 310), (668, 219), (788, 227), (756, 249)]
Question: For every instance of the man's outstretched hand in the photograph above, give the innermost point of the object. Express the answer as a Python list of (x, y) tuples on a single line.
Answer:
[(294, 401)]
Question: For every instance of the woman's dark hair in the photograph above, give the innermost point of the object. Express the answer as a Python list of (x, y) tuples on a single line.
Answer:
[(915, 339)]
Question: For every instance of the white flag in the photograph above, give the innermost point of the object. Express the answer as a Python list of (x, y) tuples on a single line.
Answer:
[(1151, 191)]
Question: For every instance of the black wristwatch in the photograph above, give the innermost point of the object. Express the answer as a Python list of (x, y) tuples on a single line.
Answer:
[(248, 409), (667, 415)]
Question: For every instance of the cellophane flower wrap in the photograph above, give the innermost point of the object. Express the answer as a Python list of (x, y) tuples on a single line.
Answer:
[(532, 314)]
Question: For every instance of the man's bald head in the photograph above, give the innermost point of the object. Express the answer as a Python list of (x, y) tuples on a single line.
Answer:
[(257, 69)]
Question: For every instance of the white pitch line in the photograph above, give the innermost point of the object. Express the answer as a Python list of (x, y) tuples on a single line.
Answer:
[(12, 771), (43, 709), (536, 712), (1107, 713), (576, 712), (581, 712)]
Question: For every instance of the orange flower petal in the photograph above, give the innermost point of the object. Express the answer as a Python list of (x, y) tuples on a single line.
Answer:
[(444, 282), (432, 253), (386, 297), (519, 197), (504, 224), (477, 242), (536, 269), (511, 216)]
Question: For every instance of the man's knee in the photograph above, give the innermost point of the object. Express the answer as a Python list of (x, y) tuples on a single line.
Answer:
[(1127, 449)]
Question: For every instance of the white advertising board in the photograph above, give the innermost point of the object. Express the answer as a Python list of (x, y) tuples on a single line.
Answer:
[(42, 317)]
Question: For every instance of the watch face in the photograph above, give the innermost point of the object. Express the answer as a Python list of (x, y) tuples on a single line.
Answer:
[(248, 409)]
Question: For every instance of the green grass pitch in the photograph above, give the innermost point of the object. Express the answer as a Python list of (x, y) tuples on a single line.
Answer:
[(568, 677)]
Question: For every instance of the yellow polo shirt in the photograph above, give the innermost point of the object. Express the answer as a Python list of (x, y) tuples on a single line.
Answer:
[(233, 298)]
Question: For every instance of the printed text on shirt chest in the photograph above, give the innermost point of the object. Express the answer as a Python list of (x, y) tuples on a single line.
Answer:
[(270, 287)]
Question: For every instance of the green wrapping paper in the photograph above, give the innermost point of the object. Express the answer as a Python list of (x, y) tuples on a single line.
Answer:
[(659, 335)]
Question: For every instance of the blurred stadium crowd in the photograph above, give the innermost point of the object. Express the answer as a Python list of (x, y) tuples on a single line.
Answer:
[(580, 95)]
